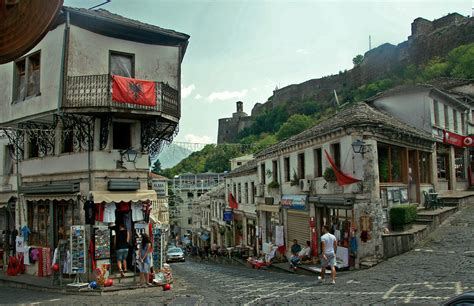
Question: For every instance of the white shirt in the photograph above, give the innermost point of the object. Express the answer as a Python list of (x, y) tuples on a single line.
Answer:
[(328, 239), (109, 212), (305, 251), (137, 212)]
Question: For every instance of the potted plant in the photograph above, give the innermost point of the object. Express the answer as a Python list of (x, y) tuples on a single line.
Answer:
[(274, 185), (295, 181), (329, 175)]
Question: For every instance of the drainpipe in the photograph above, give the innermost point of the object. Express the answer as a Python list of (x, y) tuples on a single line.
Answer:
[(63, 62)]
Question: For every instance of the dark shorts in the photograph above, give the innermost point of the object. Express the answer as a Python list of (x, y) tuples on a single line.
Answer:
[(122, 254)]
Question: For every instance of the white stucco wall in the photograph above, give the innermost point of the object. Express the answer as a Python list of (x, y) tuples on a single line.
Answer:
[(413, 108), (51, 51), (89, 54), (245, 205)]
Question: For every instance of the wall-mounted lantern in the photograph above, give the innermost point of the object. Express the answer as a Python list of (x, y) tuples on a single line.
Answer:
[(359, 146)]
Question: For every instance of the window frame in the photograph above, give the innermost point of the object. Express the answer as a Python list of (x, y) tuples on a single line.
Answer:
[(286, 165), (16, 81), (301, 165), (121, 53), (318, 162), (436, 112)]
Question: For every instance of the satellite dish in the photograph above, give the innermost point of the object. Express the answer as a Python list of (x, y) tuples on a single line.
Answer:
[(23, 23)]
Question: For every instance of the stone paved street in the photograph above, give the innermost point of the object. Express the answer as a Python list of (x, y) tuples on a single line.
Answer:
[(441, 267)]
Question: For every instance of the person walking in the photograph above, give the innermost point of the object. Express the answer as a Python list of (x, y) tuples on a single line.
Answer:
[(144, 260), (328, 251), (122, 240)]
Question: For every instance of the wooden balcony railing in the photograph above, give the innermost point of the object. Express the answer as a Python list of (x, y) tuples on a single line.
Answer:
[(93, 91)]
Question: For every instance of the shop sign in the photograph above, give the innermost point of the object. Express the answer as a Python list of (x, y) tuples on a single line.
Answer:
[(457, 140), (228, 215), (159, 187), (296, 201)]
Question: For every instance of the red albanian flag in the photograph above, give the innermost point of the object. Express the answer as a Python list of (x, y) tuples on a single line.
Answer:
[(232, 202), (133, 91), (342, 179)]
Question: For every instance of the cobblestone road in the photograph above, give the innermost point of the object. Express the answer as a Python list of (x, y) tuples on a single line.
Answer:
[(441, 267)]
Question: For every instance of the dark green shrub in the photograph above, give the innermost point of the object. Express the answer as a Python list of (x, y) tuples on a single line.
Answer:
[(402, 214), (273, 185)]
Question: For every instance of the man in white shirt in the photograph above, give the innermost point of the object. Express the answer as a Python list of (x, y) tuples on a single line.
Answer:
[(305, 253), (328, 251)]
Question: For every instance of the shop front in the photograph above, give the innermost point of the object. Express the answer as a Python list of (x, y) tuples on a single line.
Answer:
[(297, 218), (268, 220), (337, 212), (118, 211)]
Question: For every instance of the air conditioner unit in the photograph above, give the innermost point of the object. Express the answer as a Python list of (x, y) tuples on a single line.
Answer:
[(305, 185)]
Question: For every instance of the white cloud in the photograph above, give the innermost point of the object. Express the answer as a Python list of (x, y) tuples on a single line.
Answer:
[(186, 91), (197, 139), (197, 97), (227, 95), (303, 51)]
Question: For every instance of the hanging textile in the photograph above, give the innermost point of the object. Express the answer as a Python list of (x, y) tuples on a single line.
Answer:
[(232, 202), (128, 90), (342, 179)]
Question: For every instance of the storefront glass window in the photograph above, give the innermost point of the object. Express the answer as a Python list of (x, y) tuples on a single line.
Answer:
[(442, 159), (38, 222), (391, 161), (459, 163), (425, 167)]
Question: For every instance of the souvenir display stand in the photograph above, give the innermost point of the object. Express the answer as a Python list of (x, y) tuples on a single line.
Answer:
[(78, 253), (101, 243), (158, 240)]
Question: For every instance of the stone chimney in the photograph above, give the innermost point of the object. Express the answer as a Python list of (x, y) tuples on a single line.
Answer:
[(240, 106)]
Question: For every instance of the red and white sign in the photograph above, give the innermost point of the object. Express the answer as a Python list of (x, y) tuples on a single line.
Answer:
[(458, 140)]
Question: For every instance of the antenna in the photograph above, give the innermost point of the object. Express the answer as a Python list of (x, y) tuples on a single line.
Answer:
[(370, 42), (106, 1), (337, 100)]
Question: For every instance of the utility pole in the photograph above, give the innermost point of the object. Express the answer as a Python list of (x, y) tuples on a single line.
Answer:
[(370, 43)]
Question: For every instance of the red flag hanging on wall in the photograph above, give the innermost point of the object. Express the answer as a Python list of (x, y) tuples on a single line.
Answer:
[(342, 179), (232, 202), (128, 90)]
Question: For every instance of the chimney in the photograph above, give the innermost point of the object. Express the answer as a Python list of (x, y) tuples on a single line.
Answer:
[(240, 106)]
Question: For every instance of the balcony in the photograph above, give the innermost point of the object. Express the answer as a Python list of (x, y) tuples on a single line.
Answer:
[(93, 92)]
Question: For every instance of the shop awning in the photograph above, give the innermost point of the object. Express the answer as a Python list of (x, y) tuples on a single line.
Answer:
[(269, 208), (51, 197), (124, 196), (5, 197)]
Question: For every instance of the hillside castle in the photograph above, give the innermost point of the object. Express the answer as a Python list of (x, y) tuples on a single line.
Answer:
[(428, 39)]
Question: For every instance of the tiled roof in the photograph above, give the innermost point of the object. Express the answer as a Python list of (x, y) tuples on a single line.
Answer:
[(357, 114), (101, 13), (251, 165)]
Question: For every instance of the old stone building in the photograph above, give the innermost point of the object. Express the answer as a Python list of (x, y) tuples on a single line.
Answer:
[(295, 191), (230, 127)]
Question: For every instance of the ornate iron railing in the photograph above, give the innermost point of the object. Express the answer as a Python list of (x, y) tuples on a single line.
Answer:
[(93, 91)]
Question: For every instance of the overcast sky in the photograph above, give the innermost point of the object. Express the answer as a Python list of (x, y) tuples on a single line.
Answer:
[(242, 50)]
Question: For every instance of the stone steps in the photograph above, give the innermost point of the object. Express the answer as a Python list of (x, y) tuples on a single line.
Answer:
[(130, 277)]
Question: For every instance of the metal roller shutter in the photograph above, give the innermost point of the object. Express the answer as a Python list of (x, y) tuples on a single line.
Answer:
[(298, 228)]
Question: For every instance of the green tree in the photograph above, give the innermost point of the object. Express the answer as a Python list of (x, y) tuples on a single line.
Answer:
[(156, 167), (435, 68), (295, 124), (461, 61), (358, 59), (219, 159)]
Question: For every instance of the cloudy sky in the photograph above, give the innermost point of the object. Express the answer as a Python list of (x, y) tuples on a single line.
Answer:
[(243, 49)]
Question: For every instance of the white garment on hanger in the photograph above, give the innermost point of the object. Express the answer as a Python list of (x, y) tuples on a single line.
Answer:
[(137, 212), (109, 212), (337, 233), (26, 256)]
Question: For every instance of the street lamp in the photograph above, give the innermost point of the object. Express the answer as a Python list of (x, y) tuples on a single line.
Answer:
[(359, 146), (130, 154)]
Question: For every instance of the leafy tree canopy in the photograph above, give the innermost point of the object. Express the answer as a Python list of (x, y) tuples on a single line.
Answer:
[(295, 124)]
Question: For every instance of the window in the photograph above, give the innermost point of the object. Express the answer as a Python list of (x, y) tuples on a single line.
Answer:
[(436, 112), (262, 173), (190, 195), (459, 163), (122, 138), (239, 194), (33, 150), (286, 164), (122, 64), (8, 161), (301, 173), (68, 142), (27, 77), (38, 222), (462, 124), (336, 154), (235, 190), (318, 163), (455, 120), (252, 192), (442, 161), (391, 163), (246, 193), (190, 221), (446, 117), (425, 167), (275, 171)]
